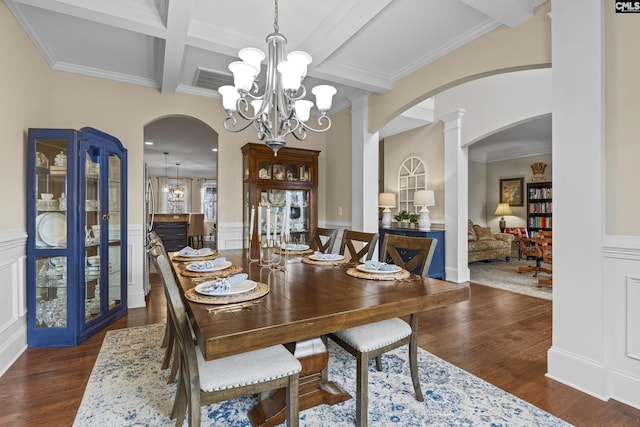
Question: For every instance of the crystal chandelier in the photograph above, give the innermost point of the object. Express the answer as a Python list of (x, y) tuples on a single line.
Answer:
[(281, 109), (177, 191)]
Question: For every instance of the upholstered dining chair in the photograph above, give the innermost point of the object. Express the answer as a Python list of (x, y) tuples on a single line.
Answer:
[(202, 382), (358, 245), (195, 230), (374, 339), (323, 239)]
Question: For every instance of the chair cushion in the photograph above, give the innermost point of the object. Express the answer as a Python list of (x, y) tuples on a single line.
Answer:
[(375, 335), (248, 368)]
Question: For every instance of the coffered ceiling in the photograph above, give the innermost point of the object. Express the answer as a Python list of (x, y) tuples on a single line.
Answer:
[(359, 46)]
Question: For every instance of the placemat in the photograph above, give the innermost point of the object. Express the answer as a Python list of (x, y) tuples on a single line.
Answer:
[(402, 274), (292, 252), (177, 257), (259, 291), (213, 274), (308, 260)]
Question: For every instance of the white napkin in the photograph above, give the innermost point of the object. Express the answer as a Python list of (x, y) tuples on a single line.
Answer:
[(324, 257), (377, 265), (189, 251), (206, 265), (221, 285)]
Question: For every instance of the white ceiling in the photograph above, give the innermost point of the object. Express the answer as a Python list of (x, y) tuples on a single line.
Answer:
[(359, 46)]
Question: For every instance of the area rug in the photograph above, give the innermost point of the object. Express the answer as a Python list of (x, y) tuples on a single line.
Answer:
[(127, 387), (497, 273)]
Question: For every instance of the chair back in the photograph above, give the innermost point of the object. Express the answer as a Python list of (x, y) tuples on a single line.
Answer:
[(324, 239), (196, 224), (545, 244), (358, 244), (188, 361), (411, 253)]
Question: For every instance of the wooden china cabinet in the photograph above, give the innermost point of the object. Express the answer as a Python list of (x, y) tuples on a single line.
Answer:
[(286, 185)]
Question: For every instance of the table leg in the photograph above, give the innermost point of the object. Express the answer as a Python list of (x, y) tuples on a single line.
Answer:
[(315, 389)]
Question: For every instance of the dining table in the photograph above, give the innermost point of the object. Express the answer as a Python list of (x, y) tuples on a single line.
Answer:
[(302, 303)]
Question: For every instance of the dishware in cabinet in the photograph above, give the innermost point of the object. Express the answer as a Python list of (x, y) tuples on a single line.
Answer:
[(280, 194), (76, 208)]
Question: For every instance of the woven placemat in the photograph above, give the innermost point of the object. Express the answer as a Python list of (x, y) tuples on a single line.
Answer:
[(177, 257), (213, 274), (308, 260), (402, 274), (259, 291), (292, 252)]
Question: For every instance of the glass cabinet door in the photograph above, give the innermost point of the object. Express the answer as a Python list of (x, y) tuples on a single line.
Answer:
[(115, 245), (284, 212), (93, 230), (51, 302)]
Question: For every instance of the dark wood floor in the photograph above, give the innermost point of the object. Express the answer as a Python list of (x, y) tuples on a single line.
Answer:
[(497, 335)]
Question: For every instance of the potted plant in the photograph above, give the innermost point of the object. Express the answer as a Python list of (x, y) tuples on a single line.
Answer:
[(402, 217), (413, 220)]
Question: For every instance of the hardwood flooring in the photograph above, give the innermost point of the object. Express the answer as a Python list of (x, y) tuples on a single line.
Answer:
[(497, 335)]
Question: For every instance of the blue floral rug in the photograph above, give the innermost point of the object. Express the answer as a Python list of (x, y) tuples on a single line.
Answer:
[(128, 388)]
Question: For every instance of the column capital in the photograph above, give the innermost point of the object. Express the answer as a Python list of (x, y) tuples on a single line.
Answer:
[(452, 119)]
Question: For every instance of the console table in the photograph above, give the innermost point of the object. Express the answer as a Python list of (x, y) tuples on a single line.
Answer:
[(436, 269)]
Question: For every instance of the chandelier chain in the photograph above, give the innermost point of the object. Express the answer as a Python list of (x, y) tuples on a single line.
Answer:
[(275, 19)]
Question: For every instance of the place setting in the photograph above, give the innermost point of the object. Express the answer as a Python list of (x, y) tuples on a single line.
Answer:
[(295, 249), (376, 270), (320, 258), (218, 267), (189, 254), (228, 292)]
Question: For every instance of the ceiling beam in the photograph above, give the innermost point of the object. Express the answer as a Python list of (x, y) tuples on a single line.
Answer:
[(178, 19), (508, 12)]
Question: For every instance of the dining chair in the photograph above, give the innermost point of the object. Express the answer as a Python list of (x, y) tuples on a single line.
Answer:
[(545, 245), (358, 244), (374, 339), (195, 230), (168, 341), (539, 248), (202, 382), (323, 239)]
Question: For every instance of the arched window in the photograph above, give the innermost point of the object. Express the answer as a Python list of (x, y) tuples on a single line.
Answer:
[(412, 176)]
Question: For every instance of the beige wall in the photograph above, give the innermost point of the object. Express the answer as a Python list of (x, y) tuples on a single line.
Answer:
[(505, 49), (426, 143), (622, 126), (478, 192), (338, 170)]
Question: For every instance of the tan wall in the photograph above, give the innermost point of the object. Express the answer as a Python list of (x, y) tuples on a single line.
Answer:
[(427, 143), (478, 192), (622, 126), (338, 169), (503, 49)]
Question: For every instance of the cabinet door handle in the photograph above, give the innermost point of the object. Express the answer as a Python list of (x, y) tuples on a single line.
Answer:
[(105, 217)]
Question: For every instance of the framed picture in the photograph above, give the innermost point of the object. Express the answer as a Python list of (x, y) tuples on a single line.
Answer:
[(511, 191)]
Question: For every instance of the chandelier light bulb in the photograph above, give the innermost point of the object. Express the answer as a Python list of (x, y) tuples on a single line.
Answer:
[(302, 58), (291, 75), (303, 109), (243, 75), (324, 94), (252, 56), (230, 97)]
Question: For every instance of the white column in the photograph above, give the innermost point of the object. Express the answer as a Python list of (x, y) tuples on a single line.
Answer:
[(364, 168), (456, 204)]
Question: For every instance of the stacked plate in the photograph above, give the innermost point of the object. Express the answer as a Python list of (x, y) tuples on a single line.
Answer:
[(51, 229)]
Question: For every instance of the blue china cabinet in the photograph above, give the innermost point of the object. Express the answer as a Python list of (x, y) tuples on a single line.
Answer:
[(77, 234)]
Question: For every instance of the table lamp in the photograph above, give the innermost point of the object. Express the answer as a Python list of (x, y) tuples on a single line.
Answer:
[(386, 201), (424, 198), (502, 210)]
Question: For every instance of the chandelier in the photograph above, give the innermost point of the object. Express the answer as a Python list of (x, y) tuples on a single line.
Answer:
[(177, 191), (280, 109)]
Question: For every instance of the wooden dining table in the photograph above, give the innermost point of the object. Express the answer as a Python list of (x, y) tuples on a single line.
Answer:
[(305, 302)]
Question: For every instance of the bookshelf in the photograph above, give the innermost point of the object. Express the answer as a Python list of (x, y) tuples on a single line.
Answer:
[(539, 207)]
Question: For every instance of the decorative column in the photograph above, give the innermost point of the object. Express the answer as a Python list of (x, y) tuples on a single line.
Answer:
[(456, 206), (364, 172)]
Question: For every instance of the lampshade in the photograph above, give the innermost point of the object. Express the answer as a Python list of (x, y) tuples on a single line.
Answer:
[(387, 200), (503, 209), (424, 198)]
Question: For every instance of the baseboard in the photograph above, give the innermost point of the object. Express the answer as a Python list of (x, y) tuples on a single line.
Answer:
[(577, 372), (13, 347)]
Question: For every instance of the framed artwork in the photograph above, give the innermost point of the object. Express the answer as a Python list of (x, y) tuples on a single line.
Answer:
[(511, 191)]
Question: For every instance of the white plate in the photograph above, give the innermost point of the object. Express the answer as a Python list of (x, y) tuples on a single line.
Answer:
[(294, 247), (327, 258), (364, 268), (217, 267), (39, 242), (53, 229), (238, 288)]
